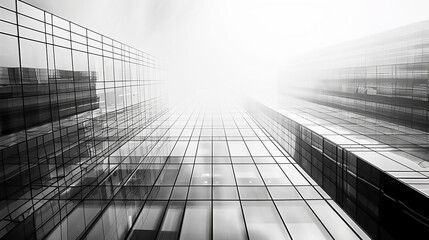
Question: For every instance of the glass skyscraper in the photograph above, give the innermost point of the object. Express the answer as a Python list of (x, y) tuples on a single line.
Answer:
[(359, 126), (90, 149)]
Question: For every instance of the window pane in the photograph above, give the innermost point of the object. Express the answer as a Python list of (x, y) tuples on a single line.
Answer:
[(192, 148), (221, 160), (228, 221), (8, 4), (204, 148), (300, 221), (253, 193), (231, 132), (168, 175), (263, 221), (295, 177), (184, 175), (148, 221), (284, 192), (147, 176), (203, 159), (257, 148), (63, 59), (347, 218), (220, 148), (9, 52), (179, 149), (202, 174), (308, 192), (80, 62), (238, 148), (223, 175), (242, 160), (73, 225), (247, 132), (33, 56), (336, 226), (160, 193), (179, 193), (247, 175), (272, 148), (200, 193), (218, 132), (105, 223), (264, 160), (273, 175), (171, 224), (197, 221), (225, 193)]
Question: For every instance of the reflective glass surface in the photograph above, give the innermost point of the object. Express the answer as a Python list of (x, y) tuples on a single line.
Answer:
[(89, 149)]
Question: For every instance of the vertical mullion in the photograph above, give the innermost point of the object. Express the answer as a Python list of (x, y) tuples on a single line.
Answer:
[(263, 180), (235, 179)]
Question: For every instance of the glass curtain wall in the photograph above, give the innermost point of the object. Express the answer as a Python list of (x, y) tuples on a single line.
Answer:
[(69, 98), (383, 76)]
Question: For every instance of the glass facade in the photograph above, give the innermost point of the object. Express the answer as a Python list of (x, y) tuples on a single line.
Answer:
[(383, 76), (218, 175), (90, 151), (89, 148), (376, 172), (356, 117), (70, 101)]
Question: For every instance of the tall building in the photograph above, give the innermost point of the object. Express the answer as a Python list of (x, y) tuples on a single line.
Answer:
[(70, 99), (35, 84), (91, 150), (356, 119)]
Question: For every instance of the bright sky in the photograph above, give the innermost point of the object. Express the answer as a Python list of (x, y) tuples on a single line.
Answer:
[(241, 43)]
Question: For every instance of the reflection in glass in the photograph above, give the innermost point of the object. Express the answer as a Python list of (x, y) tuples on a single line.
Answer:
[(200, 193), (223, 175), (9, 51), (168, 175), (228, 221), (221, 160), (301, 221), (241, 160), (272, 148), (146, 226), (284, 192), (179, 148), (336, 226), (229, 193), (272, 174), (257, 148), (220, 148), (308, 192), (171, 224), (263, 160), (184, 174), (102, 229), (204, 148), (73, 226), (253, 193), (192, 148), (295, 177), (263, 221), (179, 193), (197, 221), (247, 174), (238, 148), (63, 58), (202, 174), (33, 55), (160, 193)]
